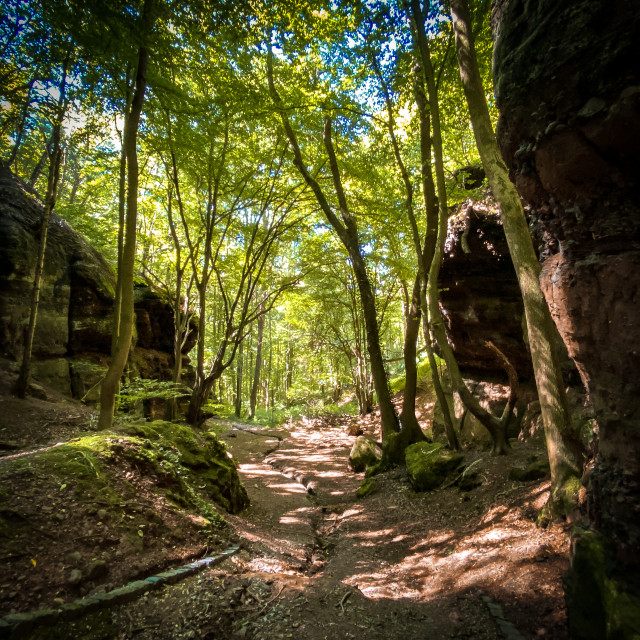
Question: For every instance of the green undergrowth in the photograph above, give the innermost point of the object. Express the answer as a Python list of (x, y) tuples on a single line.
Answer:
[(311, 408), (396, 385)]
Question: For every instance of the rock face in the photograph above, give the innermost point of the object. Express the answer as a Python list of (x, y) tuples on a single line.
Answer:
[(73, 331), (568, 89), (480, 295)]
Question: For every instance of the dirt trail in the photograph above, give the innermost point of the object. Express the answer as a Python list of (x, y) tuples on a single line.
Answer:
[(319, 564)]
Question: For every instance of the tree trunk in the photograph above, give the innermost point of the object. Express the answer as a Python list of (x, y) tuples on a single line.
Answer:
[(256, 373), (178, 323), (23, 124), (412, 323), (238, 407), (436, 207), (122, 209), (565, 467), (495, 426), (21, 384), (37, 170), (387, 411), (123, 343), (289, 379)]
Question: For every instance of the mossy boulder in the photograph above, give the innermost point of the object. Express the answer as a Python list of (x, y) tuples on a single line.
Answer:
[(365, 453), (367, 488), (599, 604), (535, 470), (206, 460), (428, 464)]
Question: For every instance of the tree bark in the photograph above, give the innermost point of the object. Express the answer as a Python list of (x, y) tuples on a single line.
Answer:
[(239, 371), (122, 209), (408, 416), (409, 427), (37, 170), (123, 343), (256, 373), (23, 122), (495, 426), (553, 402)]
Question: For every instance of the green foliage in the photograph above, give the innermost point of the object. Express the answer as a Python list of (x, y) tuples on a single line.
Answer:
[(429, 463), (139, 389), (424, 376), (212, 151)]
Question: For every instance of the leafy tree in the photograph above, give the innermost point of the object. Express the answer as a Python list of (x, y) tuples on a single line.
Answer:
[(346, 228)]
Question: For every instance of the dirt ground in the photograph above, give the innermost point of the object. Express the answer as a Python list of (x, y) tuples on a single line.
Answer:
[(318, 563)]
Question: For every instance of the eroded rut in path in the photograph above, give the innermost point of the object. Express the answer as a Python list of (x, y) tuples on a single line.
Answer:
[(319, 564)]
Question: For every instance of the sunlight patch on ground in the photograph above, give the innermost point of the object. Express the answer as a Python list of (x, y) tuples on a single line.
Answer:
[(270, 565), (286, 487), (372, 534), (291, 520), (441, 563), (255, 470)]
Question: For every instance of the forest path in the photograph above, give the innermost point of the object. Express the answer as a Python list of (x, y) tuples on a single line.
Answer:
[(317, 563), (304, 504), (324, 548)]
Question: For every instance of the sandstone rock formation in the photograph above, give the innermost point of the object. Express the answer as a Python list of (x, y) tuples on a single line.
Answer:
[(568, 90), (480, 296), (73, 333)]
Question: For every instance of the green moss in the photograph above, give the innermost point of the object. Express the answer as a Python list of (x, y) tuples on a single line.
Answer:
[(424, 377), (367, 488), (206, 463), (599, 604), (194, 475), (429, 463), (568, 493), (364, 453)]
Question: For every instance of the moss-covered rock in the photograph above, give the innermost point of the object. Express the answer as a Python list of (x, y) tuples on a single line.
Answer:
[(206, 460), (429, 463), (599, 605), (364, 453), (535, 470), (367, 488)]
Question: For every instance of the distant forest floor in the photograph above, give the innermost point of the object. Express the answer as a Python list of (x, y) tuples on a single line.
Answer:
[(319, 563)]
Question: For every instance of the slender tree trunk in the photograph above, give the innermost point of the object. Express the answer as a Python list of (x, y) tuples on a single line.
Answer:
[(425, 259), (179, 318), (239, 372), (269, 399), (256, 373), (495, 426), (553, 402), (289, 380), (22, 125), (123, 343), (412, 322), (37, 170), (21, 384), (122, 208), (410, 429)]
